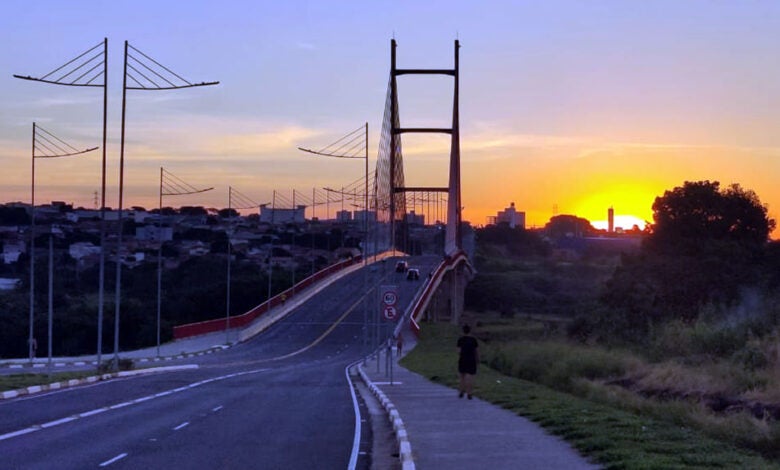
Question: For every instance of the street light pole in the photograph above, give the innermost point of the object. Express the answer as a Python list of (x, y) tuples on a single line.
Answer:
[(44, 145), (157, 77), (84, 68), (350, 146), (246, 203), (174, 186)]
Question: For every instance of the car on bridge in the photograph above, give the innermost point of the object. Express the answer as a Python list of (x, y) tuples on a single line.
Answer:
[(413, 274), (401, 266)]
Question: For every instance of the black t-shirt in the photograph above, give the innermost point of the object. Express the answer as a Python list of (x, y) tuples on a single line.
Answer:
[(468, 349)]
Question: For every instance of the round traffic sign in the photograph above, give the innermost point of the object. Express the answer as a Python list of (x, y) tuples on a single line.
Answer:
[(389, 298), (389, 312)]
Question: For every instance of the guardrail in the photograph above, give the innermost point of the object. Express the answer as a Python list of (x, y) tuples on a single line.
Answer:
[(240, 321), (448, 264)]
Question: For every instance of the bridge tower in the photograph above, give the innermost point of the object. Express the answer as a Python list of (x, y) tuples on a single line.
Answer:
[(391, 189)]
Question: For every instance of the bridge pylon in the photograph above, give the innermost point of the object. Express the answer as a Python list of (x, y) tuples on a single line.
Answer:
[(390, 162)]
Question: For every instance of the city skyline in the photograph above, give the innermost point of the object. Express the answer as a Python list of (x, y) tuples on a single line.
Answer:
[(579, 106)]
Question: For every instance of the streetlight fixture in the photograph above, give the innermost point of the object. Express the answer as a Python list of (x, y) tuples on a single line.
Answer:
[(85, 71), (145, 74), (170, 185), (44, 145)]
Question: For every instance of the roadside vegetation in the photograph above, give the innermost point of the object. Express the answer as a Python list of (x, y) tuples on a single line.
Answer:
[(194, 290), (664, 353), (17, 381), (611, 426)]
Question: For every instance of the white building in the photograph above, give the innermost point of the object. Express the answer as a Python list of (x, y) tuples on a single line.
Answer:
[(511, 216), (277, 215), (12, 250), (80, 250), (154, 233)]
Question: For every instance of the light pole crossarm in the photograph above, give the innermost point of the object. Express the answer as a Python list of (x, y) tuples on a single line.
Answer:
[(68, 154), (315, 152), (33, 79), (172, 87)]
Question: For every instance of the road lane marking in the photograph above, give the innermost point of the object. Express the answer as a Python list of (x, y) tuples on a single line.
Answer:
[(20, 432), (87, 414), (217, 408), (96, 411), (59, 421), (182, 425), (356, 439), (110, 461)]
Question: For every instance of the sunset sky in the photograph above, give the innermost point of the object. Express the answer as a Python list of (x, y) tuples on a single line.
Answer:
[(579, 105)]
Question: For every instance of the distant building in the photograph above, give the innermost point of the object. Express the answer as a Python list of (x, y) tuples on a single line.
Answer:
[(362, 215), (610, 220), (511, 216), (271, 215), (343, 216), (154, 233), (7, 283), (415, 219), (12, 251)]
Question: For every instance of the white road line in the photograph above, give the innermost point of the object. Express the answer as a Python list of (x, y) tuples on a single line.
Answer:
[(182, 425), (20, 432), (217, 408), (92, 413), (59, 421), (122, 405), (110, 461), (356, 439)]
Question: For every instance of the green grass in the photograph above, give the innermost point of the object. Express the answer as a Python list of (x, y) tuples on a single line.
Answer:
[(16, 381), (608, 435)]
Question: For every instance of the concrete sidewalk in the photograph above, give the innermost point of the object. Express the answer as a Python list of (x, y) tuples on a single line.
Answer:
[(444, 431)]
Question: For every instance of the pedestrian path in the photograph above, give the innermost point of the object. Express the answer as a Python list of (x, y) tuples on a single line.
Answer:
[(445, 431)]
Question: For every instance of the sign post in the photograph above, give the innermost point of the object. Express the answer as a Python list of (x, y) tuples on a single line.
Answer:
[(389, 299)]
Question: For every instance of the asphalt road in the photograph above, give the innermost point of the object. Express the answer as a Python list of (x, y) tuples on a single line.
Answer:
[(281, 400)]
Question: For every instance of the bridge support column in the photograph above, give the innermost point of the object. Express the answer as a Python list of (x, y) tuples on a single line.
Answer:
[(447, 303)]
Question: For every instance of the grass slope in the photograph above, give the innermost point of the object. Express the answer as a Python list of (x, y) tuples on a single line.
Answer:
[(615, 438)]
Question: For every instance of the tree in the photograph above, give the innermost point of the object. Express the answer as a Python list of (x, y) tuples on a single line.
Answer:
[(227, 213), (563, 225), (192, 210), (14, 216), (705, 246), (698, 213)]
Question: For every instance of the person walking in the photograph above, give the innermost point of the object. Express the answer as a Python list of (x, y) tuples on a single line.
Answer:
[(467, 362), (399, 344)]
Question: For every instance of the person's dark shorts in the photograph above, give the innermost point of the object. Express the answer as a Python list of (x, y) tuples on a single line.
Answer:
[(467, 367)]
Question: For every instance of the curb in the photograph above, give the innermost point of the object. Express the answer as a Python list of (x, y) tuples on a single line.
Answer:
[(41, 365), (402, 437), (33, 389)]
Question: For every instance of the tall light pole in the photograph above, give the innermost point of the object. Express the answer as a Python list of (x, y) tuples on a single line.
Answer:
[(44, 145), (352, 145), (145, 74), (170, 185), (86, 70), (244, 203)]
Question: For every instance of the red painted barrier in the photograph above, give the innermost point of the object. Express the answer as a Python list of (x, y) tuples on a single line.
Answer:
[(447, 264), (239, 321)]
